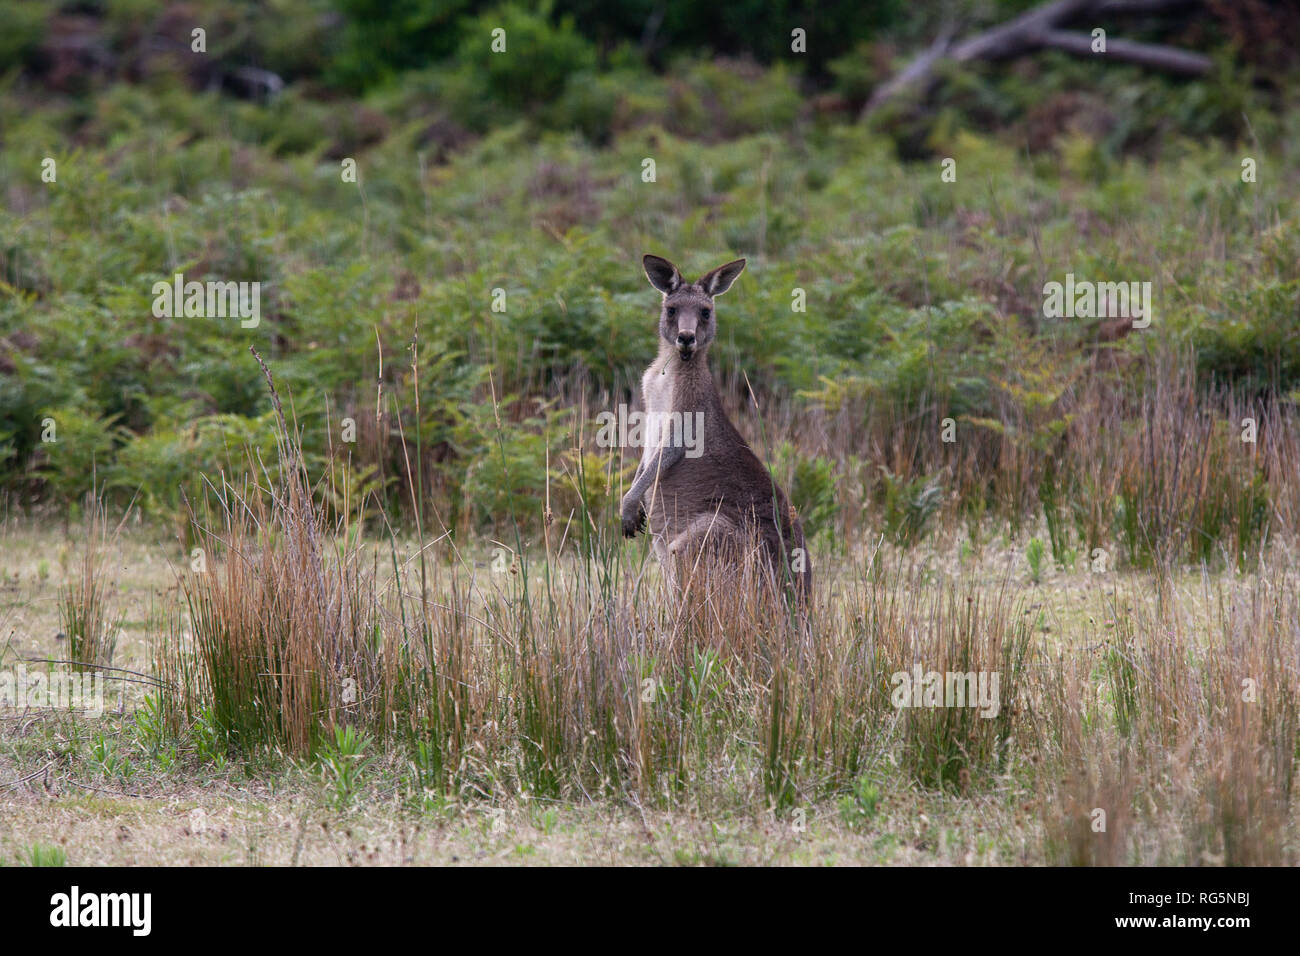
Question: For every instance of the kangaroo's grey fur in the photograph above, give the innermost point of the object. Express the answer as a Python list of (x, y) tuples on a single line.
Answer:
[(725, 498)]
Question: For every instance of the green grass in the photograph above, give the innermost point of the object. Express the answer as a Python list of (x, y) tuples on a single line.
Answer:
[(39, 854)]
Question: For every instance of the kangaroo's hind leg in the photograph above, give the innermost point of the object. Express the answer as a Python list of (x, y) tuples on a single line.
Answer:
[(706, 542)]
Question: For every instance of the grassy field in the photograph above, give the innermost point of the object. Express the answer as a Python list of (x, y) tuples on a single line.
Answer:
[(1104, 713)]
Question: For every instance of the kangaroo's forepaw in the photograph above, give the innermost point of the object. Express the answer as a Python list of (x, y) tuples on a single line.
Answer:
[(633, 521)]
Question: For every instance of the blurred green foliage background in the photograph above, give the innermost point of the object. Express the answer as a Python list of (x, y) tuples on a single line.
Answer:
[(522, 171)]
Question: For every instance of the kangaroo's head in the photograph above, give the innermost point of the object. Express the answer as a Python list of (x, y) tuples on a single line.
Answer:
[(686, 321)]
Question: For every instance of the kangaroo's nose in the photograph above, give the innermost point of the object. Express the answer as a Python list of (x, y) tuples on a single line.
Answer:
[(685, 338)]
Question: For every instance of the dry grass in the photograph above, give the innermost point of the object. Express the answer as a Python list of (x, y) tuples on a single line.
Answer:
[(87, 619), (1128, 699), (1183, 729), (550, 681)]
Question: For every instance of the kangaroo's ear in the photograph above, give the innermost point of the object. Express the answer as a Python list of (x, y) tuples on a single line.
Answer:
[(719, 280), (663, 275)]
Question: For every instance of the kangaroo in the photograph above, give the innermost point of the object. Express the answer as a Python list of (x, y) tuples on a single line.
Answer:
[(724, 498)]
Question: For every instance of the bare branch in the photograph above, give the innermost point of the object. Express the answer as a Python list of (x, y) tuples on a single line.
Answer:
[(1040, 28), (1165, 58)]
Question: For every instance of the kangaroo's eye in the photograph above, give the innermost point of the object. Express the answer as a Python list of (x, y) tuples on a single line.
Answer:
[(672, 312), (704, 314)]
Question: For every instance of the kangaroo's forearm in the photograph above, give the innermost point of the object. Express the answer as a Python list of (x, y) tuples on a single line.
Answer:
[(658, 466)]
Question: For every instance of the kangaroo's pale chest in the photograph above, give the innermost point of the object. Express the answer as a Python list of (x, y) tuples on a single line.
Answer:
[(657, 393)]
